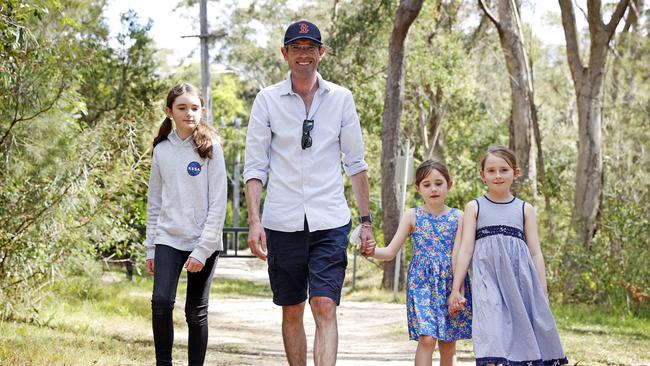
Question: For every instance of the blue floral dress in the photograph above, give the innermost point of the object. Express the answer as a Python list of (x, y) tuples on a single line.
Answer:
[(429, 280)]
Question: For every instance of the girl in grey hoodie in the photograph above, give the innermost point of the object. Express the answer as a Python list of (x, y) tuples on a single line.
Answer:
[(185, 214)]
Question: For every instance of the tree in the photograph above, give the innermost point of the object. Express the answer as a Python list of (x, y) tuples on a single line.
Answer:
[(523, 114), (406, 13), (437, 88), (72, 121), (588, 81)]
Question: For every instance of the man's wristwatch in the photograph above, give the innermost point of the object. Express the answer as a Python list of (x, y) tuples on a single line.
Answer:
[(366, 219)]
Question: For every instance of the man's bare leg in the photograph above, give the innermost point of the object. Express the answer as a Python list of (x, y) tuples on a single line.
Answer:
[(293, 334), (326, 339)]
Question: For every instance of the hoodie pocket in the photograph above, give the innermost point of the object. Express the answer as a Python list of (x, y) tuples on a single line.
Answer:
[(179, 223)]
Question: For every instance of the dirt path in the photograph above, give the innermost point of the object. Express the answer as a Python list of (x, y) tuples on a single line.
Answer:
[(248, 331)]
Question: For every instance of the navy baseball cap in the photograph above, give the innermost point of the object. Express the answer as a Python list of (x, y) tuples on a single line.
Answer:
[(302, 29)]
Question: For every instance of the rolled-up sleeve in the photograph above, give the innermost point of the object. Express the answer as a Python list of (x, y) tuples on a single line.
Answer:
[(352, 139), (258, 142)]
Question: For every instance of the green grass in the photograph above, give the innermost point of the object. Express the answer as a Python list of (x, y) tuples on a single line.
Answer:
[(367, 283), (30, 344), (600, 336), (85, 321), (235, 289)]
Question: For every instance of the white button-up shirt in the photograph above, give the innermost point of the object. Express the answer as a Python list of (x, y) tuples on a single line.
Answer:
[(303, 183)]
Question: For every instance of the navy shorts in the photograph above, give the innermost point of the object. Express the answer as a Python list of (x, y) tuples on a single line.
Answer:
[(300, 261)]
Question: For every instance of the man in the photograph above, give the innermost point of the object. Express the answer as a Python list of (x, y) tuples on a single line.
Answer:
[(299, 131)]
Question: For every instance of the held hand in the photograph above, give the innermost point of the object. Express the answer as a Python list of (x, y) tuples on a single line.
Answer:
[(369, 251), (150, 266), (257, 241), (193, 265), (367, 241), (456, 302)]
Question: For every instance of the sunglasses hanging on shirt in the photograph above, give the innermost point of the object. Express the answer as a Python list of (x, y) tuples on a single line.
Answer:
[(307, 126)]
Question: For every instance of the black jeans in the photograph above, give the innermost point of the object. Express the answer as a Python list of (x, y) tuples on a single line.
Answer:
[(168, 264)]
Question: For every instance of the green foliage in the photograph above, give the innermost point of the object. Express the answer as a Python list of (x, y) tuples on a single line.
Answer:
[(77, 117), (72, 147), (255, 33), (618, 253), (458, 72), (357, 59)]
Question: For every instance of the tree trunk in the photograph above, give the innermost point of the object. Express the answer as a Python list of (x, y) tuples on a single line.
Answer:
[(430, 121), (521, 90), (588, 84), (406, 13)]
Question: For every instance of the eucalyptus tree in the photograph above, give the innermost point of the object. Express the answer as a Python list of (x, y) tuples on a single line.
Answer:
[(405, 14), (523, 113), (588, 81), (621, 247)]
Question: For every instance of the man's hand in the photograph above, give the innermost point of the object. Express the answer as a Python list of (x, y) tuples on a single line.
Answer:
[(257, 240), (193, 265), (369, 251), (367, 241)]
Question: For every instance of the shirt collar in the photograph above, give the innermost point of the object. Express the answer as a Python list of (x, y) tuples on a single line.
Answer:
[(323, 86)]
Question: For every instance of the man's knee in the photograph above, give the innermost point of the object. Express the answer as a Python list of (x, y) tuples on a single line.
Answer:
[(323, 308), (196, 315), (293, 313)]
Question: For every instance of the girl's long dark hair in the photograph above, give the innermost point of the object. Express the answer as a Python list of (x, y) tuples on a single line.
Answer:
[(203, 133)]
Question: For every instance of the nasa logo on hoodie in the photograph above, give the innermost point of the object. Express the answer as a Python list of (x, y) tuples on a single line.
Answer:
[(194, 168)]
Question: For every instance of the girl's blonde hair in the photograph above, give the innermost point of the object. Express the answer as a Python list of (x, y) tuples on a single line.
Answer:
[(427, 167), (501, 152), (203, 133)]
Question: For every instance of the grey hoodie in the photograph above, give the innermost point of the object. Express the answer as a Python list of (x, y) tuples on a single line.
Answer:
[(186, 204)]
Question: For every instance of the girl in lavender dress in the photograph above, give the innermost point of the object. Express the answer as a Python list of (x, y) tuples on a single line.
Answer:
[(513, 324), (434, 230)]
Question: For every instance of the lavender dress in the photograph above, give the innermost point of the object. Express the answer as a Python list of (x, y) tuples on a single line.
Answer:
[(512, 321)]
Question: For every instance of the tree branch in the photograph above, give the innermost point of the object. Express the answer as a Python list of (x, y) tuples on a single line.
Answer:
[(421, 118), (34, 218), (610, 28), (584, 13), (595, 18), (486, 10), (571, 37), (472, 40), (23, 119), (632, 19)]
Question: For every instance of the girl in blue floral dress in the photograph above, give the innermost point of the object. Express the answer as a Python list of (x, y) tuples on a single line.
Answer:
[(435, 230)]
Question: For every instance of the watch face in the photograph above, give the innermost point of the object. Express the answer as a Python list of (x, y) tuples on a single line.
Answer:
[(366, 218)]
